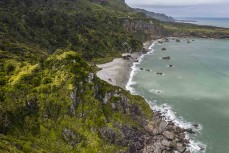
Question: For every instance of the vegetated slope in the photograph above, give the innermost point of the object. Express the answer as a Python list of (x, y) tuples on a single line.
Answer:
[(192, 30), (58, 105), (158, 16), (93, 29), (50, 99)]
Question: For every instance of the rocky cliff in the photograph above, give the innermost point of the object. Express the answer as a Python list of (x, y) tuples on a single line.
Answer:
[(148, 28)]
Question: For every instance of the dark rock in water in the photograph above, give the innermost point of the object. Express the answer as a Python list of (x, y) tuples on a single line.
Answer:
[(163, 49), (160, 42), (188, 42), (170, 65), (190, 131), (167, 57), (195, 125), (177, 40), (148, 70), (193, 40), (136, 61), (159, 73), (141, 69)]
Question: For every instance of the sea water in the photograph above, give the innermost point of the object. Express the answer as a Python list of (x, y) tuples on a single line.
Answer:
[(195, 90), (217, 22)]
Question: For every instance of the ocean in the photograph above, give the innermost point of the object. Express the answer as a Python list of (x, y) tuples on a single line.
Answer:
[(195, 90), (218, 22)]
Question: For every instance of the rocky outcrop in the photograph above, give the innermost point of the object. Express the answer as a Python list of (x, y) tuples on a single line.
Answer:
[(167, 57), (70, 137), (149, 28), (156, 136)]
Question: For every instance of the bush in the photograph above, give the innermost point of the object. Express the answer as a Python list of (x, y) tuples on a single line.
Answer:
[(46, 80), (9, 68)]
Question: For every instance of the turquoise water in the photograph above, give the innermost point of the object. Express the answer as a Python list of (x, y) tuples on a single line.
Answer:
[(196, 87), (218, 22)]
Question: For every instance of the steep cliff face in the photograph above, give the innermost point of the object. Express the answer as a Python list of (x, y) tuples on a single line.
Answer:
[(146, 28)]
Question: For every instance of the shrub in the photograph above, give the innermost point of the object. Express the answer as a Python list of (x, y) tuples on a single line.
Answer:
[(9, 68)]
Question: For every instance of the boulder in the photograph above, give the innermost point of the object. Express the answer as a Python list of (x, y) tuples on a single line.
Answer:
[(108, 134), (159, 73), (162, 126), (167, 57), (163, 49), (195, 125), (160, 42), (166, 143), (177, 40), (70, 137), (168, 134), (190, 131), (181, 149)]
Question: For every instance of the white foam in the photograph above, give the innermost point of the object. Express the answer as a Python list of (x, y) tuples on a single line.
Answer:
[(135, 69), (155, 91)]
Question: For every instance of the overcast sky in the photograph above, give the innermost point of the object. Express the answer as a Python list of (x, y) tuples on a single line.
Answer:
[(185, 8)]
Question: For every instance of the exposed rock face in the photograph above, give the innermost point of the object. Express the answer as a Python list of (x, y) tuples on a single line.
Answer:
[(168, 134), (70, 137), (148, 28)]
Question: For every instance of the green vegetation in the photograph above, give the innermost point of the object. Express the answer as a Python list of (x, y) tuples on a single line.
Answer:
[(50, 100), (191, 30)]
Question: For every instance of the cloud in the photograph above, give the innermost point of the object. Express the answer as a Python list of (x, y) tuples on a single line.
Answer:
[(184, 8), (172, 3)]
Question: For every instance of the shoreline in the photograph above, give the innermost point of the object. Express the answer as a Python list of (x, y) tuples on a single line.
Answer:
[(118, 71), (166, 133)]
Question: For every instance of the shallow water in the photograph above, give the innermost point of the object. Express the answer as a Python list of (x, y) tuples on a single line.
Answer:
[(196, 87)]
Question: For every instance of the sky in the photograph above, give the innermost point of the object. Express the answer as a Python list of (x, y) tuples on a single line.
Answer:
[(185, 8)]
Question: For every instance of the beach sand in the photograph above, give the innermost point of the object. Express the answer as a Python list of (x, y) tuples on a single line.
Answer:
[(118, 71)]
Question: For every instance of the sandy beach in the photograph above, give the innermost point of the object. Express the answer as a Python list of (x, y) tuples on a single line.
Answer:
[(118, 71)]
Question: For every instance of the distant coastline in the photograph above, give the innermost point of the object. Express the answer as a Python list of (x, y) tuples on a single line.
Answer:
[(185, 21), (216, 22)]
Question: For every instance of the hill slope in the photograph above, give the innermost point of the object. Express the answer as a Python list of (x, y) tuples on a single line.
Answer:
[(158, 16)]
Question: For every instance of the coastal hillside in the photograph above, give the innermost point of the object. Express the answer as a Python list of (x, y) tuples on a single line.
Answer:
[(50, 98), (158, 16)]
